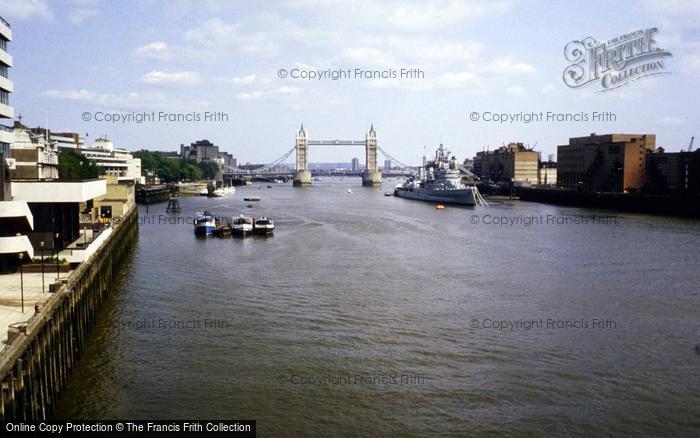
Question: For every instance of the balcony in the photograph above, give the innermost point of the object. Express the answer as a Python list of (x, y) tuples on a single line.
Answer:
[(92, 236), (16, 216), (6, 111), (6, 135), (58, 191), (5, 29), (16, 245), (5, 58), (6, 84)]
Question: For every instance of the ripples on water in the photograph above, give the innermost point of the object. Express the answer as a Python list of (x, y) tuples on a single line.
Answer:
[(371, 286)]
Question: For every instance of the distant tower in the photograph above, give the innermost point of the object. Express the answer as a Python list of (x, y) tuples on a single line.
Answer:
[(302, 176), (371, 175)]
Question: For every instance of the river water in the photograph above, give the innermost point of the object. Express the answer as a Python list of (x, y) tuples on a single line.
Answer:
[(366, 314)]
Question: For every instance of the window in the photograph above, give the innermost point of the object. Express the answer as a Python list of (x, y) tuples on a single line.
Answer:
[(4, 97)]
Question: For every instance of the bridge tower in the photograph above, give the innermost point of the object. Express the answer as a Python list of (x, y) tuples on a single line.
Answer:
[(302, 176), (371, 176)]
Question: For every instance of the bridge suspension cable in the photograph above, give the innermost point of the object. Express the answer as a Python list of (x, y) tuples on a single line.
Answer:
[(280, 159), (392, 158)]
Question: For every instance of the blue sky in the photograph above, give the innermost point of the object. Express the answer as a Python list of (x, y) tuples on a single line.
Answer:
[(73, 56)]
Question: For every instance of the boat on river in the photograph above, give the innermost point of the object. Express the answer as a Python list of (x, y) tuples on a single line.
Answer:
[(204, 223), (264, 226), (242, 225), (441, 180)]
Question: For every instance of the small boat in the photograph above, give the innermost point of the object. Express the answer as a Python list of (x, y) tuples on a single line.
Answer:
[(349, 192), (222, 231), (440, 207), (388, 194), (242, 225), (224, 191), (204, 192), (264, 226), (252, 198), (204, 223)]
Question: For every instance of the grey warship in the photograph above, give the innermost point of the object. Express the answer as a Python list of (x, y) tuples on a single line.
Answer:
[(439, 180)]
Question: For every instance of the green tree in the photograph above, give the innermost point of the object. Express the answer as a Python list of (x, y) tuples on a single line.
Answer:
[(170, 170), (73, 166)]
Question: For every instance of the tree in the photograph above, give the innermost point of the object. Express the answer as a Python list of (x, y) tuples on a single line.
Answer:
[(171, 170), (73, 166)]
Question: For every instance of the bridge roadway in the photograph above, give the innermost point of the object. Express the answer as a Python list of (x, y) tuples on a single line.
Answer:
[(316, 172)]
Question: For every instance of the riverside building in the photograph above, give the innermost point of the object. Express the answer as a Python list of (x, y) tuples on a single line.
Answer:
[(604, 163), (511, 163)]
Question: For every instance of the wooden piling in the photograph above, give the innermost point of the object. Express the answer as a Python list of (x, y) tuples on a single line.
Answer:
[(36, 365)]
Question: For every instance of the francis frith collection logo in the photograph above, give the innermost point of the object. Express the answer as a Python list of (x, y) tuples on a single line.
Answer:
[(614, 63)]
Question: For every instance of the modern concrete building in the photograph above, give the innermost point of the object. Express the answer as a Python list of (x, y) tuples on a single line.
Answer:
[(548, 173), (355, 164), (16, 220), (204, 150), (201, 150), (604, 163), (116, 162), (62, 140), (387, 164), (119, 199), (672, 172), (6, 87), (32, 155), (511, 163), (35, 206)]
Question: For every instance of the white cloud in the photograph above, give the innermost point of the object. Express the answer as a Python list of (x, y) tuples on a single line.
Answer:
[(507, 66), (673, 120), (690, 64), (270, 93), (178, 78), (215, 35), (516, 90), (249, 79), (132, 101), (81, 94), (155, 50), (78, 15), (401, 15), (24, 9), (343, 34), (424, 15)]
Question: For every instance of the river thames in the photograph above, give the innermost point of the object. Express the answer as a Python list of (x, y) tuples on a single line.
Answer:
[(367, 314)]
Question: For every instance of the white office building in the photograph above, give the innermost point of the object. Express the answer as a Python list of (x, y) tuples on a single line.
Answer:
[(114, 161), (6, 87)]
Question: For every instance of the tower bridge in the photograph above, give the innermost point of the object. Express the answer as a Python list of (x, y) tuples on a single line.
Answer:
[(371, 175), (302, 175)]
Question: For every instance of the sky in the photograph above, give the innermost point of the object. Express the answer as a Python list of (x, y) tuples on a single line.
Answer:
[(73, 57)]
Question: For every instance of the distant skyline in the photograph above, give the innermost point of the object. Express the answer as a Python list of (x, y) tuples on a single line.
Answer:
[(187, 56)]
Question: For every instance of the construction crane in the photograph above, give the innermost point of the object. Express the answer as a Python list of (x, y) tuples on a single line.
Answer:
[(690, 146)]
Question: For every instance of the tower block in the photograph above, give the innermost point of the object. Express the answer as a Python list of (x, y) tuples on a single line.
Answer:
[(302, 177), (371, 176)]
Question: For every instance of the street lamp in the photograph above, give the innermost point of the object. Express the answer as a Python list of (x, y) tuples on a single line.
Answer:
[(42, 266), (56, 245), (21, 278)]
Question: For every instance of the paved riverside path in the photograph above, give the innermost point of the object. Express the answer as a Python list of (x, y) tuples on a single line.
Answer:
[(10, 298)]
